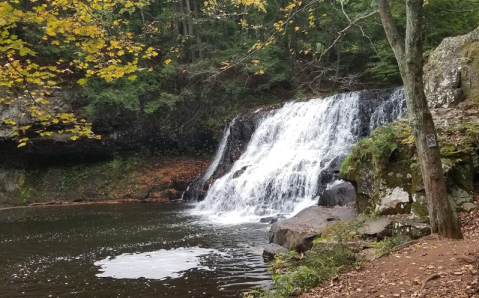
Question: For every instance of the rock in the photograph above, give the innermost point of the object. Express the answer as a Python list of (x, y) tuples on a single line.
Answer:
[(272, 249), (461, 197), (374, 227), (240, 134), (299, 231), (342, 194), (419, 206), (393, 201), (271, 219), (468, 207), (410, 228), (452, 71)]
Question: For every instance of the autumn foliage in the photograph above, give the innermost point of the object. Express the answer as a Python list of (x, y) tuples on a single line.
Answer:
[(94, 33)]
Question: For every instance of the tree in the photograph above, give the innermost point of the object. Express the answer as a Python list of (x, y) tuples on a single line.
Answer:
[(85, 38), (408, 53)]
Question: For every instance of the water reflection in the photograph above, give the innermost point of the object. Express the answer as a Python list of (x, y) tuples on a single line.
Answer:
[(104, 251)]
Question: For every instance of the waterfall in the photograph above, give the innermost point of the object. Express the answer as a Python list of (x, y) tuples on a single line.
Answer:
[(195, 188), (391, 109), (294, 153)]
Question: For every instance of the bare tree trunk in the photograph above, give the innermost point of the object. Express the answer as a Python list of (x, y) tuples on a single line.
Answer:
[(408, 53), (189, 19)]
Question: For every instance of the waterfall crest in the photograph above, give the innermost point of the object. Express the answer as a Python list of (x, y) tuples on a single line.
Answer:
[(295, 152)]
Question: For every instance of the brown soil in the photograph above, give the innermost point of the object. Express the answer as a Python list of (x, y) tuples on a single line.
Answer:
[(430, 268)]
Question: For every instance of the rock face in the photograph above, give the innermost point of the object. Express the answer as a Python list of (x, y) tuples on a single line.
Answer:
[(385, 172), (452, 72), (120, 130), (299, 231)]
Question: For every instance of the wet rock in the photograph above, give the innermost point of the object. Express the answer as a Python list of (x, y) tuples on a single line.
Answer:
[(342, 194), (272, 249), (271, 219), (299, 231)]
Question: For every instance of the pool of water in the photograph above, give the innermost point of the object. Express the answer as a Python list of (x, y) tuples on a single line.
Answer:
[(127, 250)]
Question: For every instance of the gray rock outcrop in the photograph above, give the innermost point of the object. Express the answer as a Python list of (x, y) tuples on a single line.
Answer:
[(299, 231), (452, 71)]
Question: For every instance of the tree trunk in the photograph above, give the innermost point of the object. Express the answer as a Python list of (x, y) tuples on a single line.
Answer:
[(408, 53), (189, 19)]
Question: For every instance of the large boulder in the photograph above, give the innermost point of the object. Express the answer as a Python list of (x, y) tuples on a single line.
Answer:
[(452, 71), (299, 231)]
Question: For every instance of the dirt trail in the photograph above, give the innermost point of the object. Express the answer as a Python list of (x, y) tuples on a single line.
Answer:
[(431, 268)]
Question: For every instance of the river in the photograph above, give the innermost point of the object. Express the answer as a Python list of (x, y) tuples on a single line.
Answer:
[(127, 250)]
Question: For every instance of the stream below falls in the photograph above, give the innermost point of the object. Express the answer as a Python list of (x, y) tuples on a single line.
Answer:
[(127, 250)]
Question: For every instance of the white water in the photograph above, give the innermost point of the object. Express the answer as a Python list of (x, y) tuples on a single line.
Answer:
[(390, 110), (201, 180), (279, 171)]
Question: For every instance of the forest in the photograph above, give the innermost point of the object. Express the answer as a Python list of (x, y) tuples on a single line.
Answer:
[(239, 148), (187, 60)]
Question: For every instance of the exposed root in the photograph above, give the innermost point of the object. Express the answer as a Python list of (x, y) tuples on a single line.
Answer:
[(399, 247), (468, 259), (422, 294)]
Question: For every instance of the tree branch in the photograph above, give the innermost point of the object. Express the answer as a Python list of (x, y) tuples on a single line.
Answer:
[(343, 32)]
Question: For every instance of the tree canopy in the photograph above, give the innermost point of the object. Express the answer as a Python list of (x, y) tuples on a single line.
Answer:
[(200, 57)]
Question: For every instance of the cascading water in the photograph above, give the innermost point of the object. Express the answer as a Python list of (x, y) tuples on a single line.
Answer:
[(291, 149), (390, 110), (195, 188)]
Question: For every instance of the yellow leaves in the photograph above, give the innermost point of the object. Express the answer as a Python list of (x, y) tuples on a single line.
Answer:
[(259, 73), (167, 61), (74, 138), (255, 61), (95, 31), (26, 51), (296, 28), (225, 64), (258, 4), (279, 25)]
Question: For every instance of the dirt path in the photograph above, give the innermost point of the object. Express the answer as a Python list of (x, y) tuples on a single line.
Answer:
[(428, 269)]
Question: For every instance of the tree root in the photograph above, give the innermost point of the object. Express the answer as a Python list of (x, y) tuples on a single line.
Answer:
[(399, 247), (468, 259), (422, 294)]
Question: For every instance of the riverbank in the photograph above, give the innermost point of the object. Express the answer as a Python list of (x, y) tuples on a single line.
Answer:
[(115, 180)]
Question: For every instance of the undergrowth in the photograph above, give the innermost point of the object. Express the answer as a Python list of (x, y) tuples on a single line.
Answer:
[(384, 246), (295, 273)]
